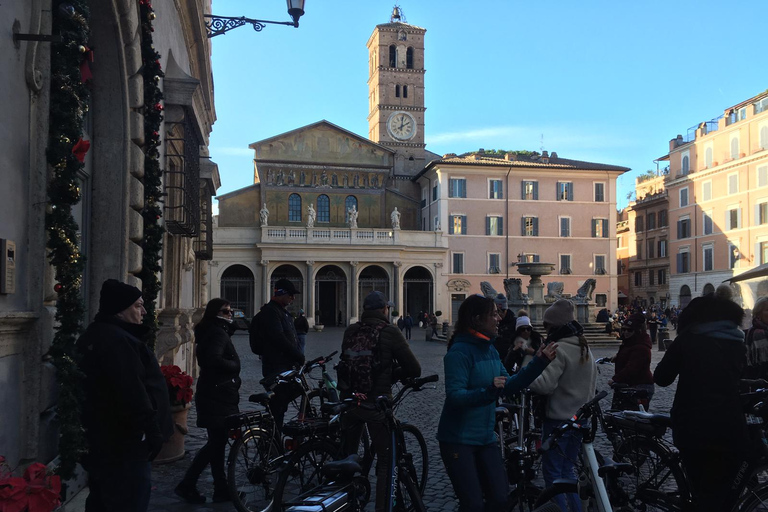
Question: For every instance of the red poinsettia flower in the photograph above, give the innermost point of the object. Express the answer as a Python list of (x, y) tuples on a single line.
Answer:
[(35, 492), (179, 385), (80, 149)]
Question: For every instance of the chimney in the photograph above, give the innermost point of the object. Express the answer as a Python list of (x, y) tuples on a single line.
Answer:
[(554, 156)]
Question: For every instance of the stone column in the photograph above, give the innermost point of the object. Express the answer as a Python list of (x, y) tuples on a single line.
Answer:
[(353, 289), (396, 287), (310, 302), (265, 288)]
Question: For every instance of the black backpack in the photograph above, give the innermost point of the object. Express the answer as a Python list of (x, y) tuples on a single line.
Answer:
[(359, 360), (255, 337)]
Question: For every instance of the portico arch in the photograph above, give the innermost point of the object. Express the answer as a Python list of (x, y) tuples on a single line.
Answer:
[(372, 277), (330, 306), (294, 275), (685, 295), (237, 284), (418, 291)]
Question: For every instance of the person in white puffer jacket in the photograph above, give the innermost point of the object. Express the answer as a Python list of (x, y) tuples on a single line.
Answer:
[(568, 382)]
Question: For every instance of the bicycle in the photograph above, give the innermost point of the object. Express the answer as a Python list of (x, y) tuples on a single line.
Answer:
[(346, 490), (407, 480)]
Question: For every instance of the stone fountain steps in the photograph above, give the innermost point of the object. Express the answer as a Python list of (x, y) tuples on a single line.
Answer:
[(595, 334)]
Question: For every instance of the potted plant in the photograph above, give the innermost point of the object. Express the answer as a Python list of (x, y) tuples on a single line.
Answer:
[(36, 491), (318, 323), (180, 394)]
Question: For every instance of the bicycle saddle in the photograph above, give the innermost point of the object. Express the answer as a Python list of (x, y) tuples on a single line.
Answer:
[(611, 467), (348, 466), (261, 398), (655, 419)]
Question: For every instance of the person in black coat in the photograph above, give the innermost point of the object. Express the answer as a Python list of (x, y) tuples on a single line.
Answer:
[(708, 423), (216, 398), (126, 411)]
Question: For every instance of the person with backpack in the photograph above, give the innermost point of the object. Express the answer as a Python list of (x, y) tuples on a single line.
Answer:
[(374, 355), (273, 337)]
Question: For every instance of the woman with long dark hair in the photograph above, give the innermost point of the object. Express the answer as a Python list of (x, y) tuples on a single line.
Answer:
[(474, 378), (216, 398)]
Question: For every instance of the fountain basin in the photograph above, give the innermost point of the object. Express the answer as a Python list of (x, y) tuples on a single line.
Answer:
[(535, 268)]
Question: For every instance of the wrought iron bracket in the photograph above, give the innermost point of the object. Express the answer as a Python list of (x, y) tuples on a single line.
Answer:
[(217, 25)]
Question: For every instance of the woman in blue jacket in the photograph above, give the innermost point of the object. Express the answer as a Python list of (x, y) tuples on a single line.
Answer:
[(474, 379)]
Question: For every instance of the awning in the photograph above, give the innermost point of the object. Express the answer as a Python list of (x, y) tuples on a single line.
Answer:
[(760, 271), (622, 295)]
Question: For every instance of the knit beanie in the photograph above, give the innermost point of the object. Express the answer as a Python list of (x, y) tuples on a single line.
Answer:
[(501, 301), (523, 321), (116, 297), (559, 313), (635, 321)]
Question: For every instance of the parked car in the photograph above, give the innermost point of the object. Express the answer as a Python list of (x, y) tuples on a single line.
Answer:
[(239, 319)]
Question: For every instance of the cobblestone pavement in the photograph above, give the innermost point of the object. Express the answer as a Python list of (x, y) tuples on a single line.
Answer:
[(422, 409)]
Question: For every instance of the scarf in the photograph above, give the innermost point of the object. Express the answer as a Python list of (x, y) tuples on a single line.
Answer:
[(572, 328), (757, 343)]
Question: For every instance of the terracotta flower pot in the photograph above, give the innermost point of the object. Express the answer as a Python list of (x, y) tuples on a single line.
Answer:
[(173, 449)]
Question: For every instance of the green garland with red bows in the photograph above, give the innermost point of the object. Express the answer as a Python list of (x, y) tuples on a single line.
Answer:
[(153, 117), (65, 155)]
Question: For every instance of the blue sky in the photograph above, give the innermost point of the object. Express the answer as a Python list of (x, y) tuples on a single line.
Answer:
[(609, 82)]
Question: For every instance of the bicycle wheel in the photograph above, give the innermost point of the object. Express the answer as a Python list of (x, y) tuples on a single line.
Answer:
[(523, 497), (754, 500), (302, 472), (548, 507), (418, 458), (407, 494), (546, 500), (658, 482), (251, 480)]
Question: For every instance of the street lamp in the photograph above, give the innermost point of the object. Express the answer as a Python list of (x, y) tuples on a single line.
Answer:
[(217, 25)]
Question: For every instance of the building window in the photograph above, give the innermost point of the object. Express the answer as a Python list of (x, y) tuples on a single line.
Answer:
[(349, 202), (662, 276), (662, 246), (565, 264), (599, 228), (683, 263), (457, 187), (601, 300), (708, 225), (397, 91), (733, 218), (457, 225), (639, 224), (762, 213), (530, 258), (706, 191), (662, 218), (733, 183), (651, 221), (434, 192), (639, 249), (564, 191), (494, 226), (458, 263), (650, 278), (409, 58), (709, 258), (392, 56), (686, 165), (294, 208), (683, 228), (651, 246), (683, 197), (405, 91), (530, 226), (733, 256), (493, 263), (762, 176), (424, 197), (763, 246), (495, 189), (565, 226), (530, 190), (600, 264), (323, 209), (735, 148), (436, 223), (638, 279), (599, 192), (708, 157), (764, 137)]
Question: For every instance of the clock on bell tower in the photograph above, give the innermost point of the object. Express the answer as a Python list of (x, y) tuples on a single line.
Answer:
[(396, 91)]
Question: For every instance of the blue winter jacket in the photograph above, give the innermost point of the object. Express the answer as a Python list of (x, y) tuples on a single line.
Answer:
[(469, 412)]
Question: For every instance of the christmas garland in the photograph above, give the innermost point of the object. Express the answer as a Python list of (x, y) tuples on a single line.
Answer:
[(65, 155), (153, 117)]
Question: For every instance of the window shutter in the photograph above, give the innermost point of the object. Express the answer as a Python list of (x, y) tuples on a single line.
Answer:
[(463, 188), (535, 258), (557, 191), (605, 228), (450, 226), (536, 190), (463, 224), (490, 189), (679, 229), (570, 191), (536, 227), (679, 263), (501, 226), (738, 218), (487, 226), (501, 190), (594, 228), (522, 190), (522, 226)]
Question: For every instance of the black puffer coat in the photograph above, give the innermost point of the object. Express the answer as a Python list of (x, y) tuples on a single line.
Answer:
[(218, 386)]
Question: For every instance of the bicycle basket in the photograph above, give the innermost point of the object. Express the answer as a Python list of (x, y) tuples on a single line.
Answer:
[(306, 427), (642, 425)]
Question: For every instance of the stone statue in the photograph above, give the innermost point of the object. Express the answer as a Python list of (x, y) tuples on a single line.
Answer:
[(324, 179), (584, 294), (345, 180), (554, 291), (264, 215), (352, 217), (375, 181), (514, 288), (280, 178), (395, 216), (488, 290), (311, 215), (291, 178)]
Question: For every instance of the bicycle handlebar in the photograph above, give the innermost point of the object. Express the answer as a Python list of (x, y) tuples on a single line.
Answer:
[(583, 412), (318, 361)]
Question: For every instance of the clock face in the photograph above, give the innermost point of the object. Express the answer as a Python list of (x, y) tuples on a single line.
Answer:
[(401, 125)]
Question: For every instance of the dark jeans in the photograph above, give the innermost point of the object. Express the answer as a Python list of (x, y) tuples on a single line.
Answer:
[(407, 333), (212, 453), (558, 462), (653, 335), (710, 474), (118, 486), (352, 424), (478, 476)]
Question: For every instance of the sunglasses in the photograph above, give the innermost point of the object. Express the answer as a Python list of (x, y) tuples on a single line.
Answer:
[(226, 311)]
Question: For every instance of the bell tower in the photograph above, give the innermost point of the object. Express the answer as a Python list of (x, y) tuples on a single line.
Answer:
[(396, 91)]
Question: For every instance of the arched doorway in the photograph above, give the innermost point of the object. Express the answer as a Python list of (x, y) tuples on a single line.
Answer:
[(292, 274), (708, 288), (331, 296), (237, 287), (685, 295), (372, 278), (418, 291)]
